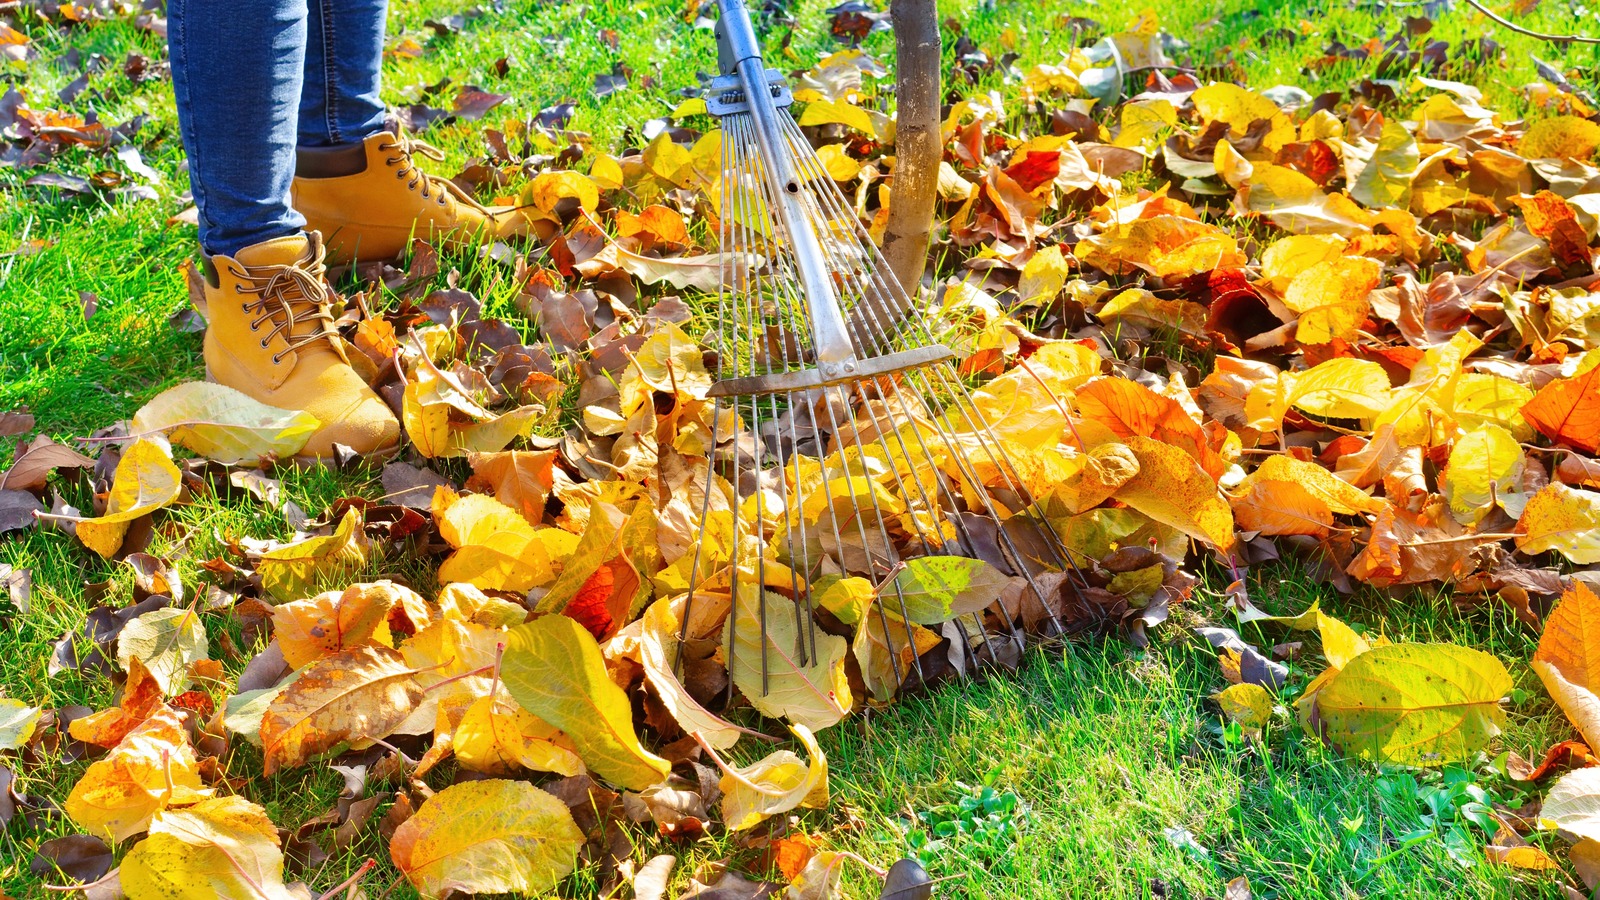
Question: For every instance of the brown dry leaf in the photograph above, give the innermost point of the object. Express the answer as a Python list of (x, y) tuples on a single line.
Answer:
[(146, 480), (1568, 659), (154, 767), (1332, 298), (220, 847), (292, 572), (658, 649), (351, 697), (491, 836), (777, 783)]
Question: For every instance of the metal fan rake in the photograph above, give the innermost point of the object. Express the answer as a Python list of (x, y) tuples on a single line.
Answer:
[(855, 444)]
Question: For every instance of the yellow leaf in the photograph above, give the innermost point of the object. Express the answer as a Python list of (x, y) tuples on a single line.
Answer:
[(1288, 257), (1331, 298), (221, 847), (1486, 463), (829, 112), (1296, 204), (1415, 704), (1484, 399), (1385, 181), (498, 737), (153, 767), (1248, 704), (815, 694), (1171, 488), (658, 649), (1286, 495), (496, 548), (1043, 275), (17, 721), (1340, 643), (220, 423), (466, 603), (1238, 107), (146, 480), (492, 836), (1142, 307), (554, 668), (292, 572), (352, 697), (776, 784), (1163, 245), (1568, 659), (549, 188), (167, 642), (1561, 137), (887, 649), (837, 163), (1564, 519), (847, 598)]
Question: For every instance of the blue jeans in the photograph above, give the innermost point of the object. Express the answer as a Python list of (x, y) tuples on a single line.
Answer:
[(254, 79)]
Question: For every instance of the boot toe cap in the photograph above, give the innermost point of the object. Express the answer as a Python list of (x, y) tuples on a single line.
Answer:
[(365, 424)]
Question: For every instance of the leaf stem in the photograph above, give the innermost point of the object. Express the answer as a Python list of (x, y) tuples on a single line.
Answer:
[(350, 883)]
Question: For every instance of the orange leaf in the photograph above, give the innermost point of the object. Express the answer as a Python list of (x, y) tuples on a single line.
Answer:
[(1549, 217), (1568, 658), (1568, 409), (141, 699), (1128, 408)]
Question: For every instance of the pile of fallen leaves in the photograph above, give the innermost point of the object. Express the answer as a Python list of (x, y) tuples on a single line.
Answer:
[(1361, 329)]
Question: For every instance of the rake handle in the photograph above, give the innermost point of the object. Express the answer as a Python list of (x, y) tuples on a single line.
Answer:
[(739, 49)]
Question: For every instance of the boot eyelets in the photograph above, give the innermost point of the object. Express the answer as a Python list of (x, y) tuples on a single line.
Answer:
[(255, 326), (264, 346)]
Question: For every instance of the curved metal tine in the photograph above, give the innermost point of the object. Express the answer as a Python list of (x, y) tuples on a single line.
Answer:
[(1014, 481), (831, 197)]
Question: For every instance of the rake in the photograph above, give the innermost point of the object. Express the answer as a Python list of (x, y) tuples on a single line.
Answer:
[(842, 423)]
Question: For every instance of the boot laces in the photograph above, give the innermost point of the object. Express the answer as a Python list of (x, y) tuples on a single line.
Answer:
[(405, 167), (291, 297)]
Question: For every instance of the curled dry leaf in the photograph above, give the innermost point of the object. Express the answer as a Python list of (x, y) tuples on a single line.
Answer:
[(146, 480), (351, 697), (777, 783), (1568, 659), (292, 572), (223, 424), (490, 836)]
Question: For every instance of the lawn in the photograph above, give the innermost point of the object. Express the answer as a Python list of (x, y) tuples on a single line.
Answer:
[(1121, 777)]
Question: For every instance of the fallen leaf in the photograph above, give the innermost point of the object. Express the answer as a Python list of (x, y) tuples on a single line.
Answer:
[(223, 424), (167, 642), (1332, 298), (146, 480), (488, 836), (777, 783), (152, 768), (17, 721), (220, 847), (1573, 803), (292, 572), (1415, 704), (1561, 518), (932, 589), (1568, 409), (1568, 659), (815, 693), (353, 697), (554, 668)]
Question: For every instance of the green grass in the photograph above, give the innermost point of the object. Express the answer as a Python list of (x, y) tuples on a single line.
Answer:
[(1105, 747)]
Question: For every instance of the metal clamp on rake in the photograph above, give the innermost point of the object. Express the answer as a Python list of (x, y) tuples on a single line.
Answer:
[(867, 449)]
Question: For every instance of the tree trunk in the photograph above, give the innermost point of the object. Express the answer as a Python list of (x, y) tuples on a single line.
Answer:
[(917, 148)]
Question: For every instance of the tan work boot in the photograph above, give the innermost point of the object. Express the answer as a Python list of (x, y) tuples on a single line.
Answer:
[(370, 199), (270, 335)]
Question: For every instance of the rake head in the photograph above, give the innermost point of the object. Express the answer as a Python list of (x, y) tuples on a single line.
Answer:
[(848, 444)]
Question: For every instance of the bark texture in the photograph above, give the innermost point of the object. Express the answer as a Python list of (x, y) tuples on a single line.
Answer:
[(916, 145)]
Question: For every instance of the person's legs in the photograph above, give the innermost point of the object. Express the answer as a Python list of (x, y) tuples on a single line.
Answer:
[(340, 103), (236, 72), (237, 67)]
